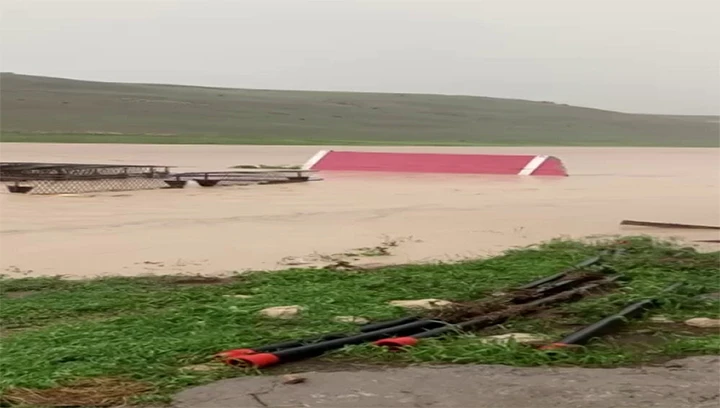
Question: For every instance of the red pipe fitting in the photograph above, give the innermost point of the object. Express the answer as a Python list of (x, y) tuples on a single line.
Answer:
[(397, 343), (553, 346), (258, 360), (234, 352)]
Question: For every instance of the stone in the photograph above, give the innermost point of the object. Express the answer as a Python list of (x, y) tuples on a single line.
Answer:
[(281, 312), (520, 338), (293, 379), (660, 319), (351, 319), (421, 303), (703, 322), (238, 296), (203, 367)]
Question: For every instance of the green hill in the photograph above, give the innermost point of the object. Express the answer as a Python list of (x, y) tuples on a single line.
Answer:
[(42, 109)]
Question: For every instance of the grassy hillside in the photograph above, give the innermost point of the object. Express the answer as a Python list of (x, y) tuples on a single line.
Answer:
[(40, 109)]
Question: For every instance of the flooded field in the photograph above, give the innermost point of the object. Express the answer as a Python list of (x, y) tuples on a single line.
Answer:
[(430, 217)]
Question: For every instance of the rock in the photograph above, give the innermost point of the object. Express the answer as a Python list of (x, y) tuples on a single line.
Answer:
[(293, 379), (521, 338), (703, 322), (660, 319), (421, 303), (281, 312), (351, 319), (203, 367), (238, 296)]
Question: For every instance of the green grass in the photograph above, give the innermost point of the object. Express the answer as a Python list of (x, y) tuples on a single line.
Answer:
[(56, 331), (56, 110), (13, 137)]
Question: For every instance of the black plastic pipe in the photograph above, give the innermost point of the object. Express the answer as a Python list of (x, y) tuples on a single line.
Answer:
[(304, 348), (317, 339), (560, 275), (260, 360), (609, 324), (388, 323), (556, 287), (492, 319)]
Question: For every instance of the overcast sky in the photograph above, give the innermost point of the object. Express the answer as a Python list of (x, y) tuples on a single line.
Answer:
[(655, 56)]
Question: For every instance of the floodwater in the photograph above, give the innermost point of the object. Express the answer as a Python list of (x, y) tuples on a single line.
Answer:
[(431, 217)]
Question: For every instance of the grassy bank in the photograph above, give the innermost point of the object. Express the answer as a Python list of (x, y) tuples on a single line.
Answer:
[(297, 140), (155, 331), (334, 140), (57, 110)]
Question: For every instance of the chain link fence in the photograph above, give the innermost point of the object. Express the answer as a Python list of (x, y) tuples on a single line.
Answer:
[(52, 178), (55, 178), (83, 186)]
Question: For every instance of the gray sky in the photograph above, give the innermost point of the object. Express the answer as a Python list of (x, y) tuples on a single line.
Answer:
[(656, 56)]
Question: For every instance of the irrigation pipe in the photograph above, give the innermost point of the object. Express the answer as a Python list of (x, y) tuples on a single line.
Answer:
[(609, 324), (498, 317), (552, 278), (261, 360), (317, 339), (267, 355)]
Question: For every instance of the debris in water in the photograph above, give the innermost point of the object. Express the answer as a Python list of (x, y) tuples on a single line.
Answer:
[(666, 225)]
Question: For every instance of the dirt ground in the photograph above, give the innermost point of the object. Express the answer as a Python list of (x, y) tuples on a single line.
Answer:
[(431, 217), (686, 383)]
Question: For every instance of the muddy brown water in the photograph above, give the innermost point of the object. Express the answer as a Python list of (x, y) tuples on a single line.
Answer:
[(434, 217)]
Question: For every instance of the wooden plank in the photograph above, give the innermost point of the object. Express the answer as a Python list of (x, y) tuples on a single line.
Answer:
[(667, 225)]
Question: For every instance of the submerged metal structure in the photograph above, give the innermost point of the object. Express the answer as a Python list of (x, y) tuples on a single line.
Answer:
[(63, 178), (59, 178), (239, 177)]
